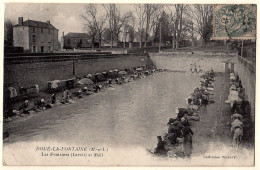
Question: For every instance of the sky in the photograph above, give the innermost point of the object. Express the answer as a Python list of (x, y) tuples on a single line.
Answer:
[(65, 17)]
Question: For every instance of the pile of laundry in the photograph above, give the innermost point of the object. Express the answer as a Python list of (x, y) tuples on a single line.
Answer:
[(241, 123), (235, 90)]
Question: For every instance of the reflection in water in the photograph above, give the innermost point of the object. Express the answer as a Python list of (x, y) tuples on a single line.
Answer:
[(130, 114)]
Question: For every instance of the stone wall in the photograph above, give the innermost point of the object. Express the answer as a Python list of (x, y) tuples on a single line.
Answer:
[(246, 71), (182, 62), (21, 37), (30, 73)]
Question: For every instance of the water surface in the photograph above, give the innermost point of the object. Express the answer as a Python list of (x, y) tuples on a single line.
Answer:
[(129, 114)]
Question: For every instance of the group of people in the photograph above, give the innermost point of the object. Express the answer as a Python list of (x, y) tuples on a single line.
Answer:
[(195, 69), (240, 110), (67, 96), (179, 128)]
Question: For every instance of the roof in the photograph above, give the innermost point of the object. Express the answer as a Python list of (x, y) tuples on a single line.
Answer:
[(76, 35), (38, 24)]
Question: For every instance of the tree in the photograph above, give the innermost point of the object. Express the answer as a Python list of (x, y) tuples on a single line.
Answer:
[(101, 27), (111, 17), (129, 27), (190, 24), (122, 22), (93, 24), (153, 13), (131, 32), (179, 23), (141, 14), (8, 33), (203, 18), (90, 21), (177, 19), (165, 29), (116, 20)]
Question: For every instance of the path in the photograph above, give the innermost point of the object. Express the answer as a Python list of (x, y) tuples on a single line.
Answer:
[(213, 128)]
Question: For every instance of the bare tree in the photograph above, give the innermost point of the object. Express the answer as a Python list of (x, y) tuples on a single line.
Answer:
[(90, 21), (93, 24), (101, 27), (111, 17), (141, 14), (179, 22), (173, 24), (121, 22), (153, 13), (129, 28), (203, 18), (190, 23)]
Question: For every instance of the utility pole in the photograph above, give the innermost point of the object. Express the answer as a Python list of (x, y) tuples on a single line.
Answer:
[(73, 67), (124, 37), (160, 37), (242, 48)]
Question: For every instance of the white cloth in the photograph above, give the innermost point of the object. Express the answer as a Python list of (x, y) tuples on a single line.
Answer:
[(232, 76), (236, 123), (210, 89), (37, 90), (233, 87), (233, 92), (238, 132), (236, 115), (13, 92), (233, 96), (55, 84)]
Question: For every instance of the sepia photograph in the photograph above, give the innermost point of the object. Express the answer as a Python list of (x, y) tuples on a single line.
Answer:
[(121, 84)]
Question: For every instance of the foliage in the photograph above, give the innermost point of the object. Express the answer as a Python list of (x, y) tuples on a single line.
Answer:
[(8, 33)]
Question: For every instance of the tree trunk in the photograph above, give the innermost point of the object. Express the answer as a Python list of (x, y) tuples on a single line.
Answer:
[(141, 36), (177, 42), (111, 39), (203, 43), (93, 42), (174, 39), (100, 35), (192, 41)]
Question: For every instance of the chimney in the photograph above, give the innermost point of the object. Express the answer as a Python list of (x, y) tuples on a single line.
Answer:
[(48, 22), (20, 20)]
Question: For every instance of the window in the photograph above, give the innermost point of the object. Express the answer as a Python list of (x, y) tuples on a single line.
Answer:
[(41, 30), (34, 49), (33, 30), (49, 31), (34, 38), (49, 48)]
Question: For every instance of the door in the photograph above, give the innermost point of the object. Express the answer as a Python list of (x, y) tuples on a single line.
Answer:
[(42, 49)]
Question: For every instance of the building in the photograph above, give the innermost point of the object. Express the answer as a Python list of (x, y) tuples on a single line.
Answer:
[(76, 40), (35, 36)]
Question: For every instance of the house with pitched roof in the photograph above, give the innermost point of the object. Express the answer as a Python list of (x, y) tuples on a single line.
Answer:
[(78, 40), (35, 36)]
